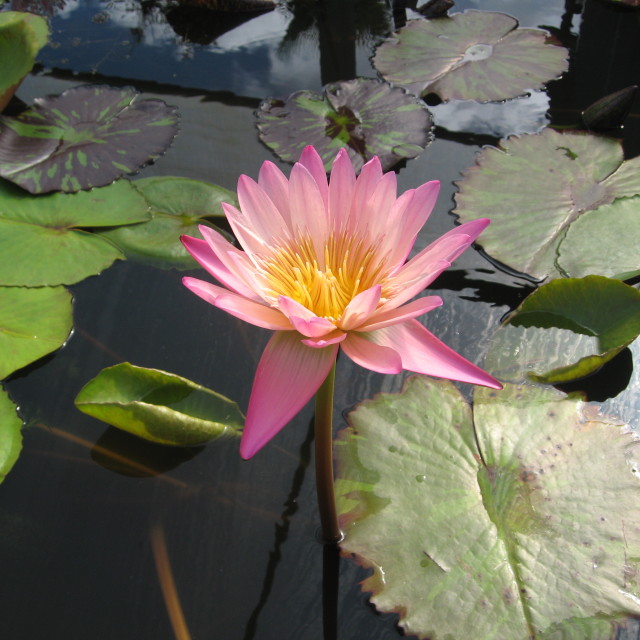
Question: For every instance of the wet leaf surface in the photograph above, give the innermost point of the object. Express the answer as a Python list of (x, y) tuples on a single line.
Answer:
[(534, 188), (367, 117), (158, 406), (33, 323), (46, 240), (178, 206), (475, 55), (518, 521), (86, 137), (10, 434)]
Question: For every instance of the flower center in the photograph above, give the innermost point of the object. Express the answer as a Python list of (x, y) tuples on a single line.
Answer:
[(323, 284)]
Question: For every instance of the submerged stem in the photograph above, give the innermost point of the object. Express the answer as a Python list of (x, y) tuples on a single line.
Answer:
[(324, 459)]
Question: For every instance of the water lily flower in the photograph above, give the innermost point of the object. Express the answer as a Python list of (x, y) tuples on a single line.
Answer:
[(325, 266)]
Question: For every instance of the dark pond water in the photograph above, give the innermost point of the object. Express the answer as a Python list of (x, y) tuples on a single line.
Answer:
[(85, 510)]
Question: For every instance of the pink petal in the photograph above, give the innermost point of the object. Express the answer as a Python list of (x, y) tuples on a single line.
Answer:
[(331, 338), (422, 352), (308, 211), (238, 306), (343, 179), (304, 321), (410, 310), (276, 186), (366, 183), (360, 308), (246, 235), (311, 160), (370, 355), (381, 202), (203, 253), (287, 377)]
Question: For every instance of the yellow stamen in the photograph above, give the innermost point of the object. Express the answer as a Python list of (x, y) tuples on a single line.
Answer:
[(323, 284)]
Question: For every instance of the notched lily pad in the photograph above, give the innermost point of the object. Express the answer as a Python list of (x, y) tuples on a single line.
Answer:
[(602, 314), (367, 117), (10, 434), (158, 406), (178, 206), (47, 240), (534, 188), (22, 35), (33, 323), (475, 55), (518, 521), (86, 137)]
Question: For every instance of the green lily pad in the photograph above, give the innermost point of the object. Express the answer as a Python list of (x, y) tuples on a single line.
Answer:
[(475, 55), (10, 434), (46, 240), (565, 330), (367, 117), (535, 187), (158, 406), (22, 35), (86, 137), (33, 323), (178, 206), (518, 522)]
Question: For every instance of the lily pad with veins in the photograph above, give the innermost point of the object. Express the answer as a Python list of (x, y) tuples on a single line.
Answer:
[(10, 434), (86, 137), (515, 520), (367, 117), (475, 55), (536, 187)]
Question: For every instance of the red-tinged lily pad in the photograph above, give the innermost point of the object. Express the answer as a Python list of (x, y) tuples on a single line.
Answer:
[(178, 206), (566, 330), (516, 520), (10, 434), (86, 137), (367, 117), (534, 188), (22, 35), (33, 323), (475, 55), (47, 240), (158, 406)]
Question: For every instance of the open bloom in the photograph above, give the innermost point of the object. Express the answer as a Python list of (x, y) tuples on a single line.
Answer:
[(324, 266)]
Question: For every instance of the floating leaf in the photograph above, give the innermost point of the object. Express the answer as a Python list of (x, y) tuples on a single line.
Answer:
[(367, 117), (178, 206), (33, 323), (45, 240), (22, 35), (86, 137), (538, 340), (534, 187), (526, 527), (159, 406), (475, 55), (10, 434), (611, 111)]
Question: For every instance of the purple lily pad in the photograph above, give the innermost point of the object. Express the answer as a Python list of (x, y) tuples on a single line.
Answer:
[(475, 55), (367, 117), (86, 137)]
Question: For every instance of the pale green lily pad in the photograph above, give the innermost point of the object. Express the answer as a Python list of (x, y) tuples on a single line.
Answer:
[(86, 137), (178, 206), (22, 35), (365, 116), (522, 526), (10, 434), (534, 187), (475, 55), (33, 323), (565, 330), (46, 240), (158, 406), (616, 228)]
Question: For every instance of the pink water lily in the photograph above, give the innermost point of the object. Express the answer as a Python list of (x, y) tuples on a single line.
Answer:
[(325, 266)]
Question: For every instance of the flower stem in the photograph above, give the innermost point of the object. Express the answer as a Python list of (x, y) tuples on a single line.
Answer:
[(323, 424)]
